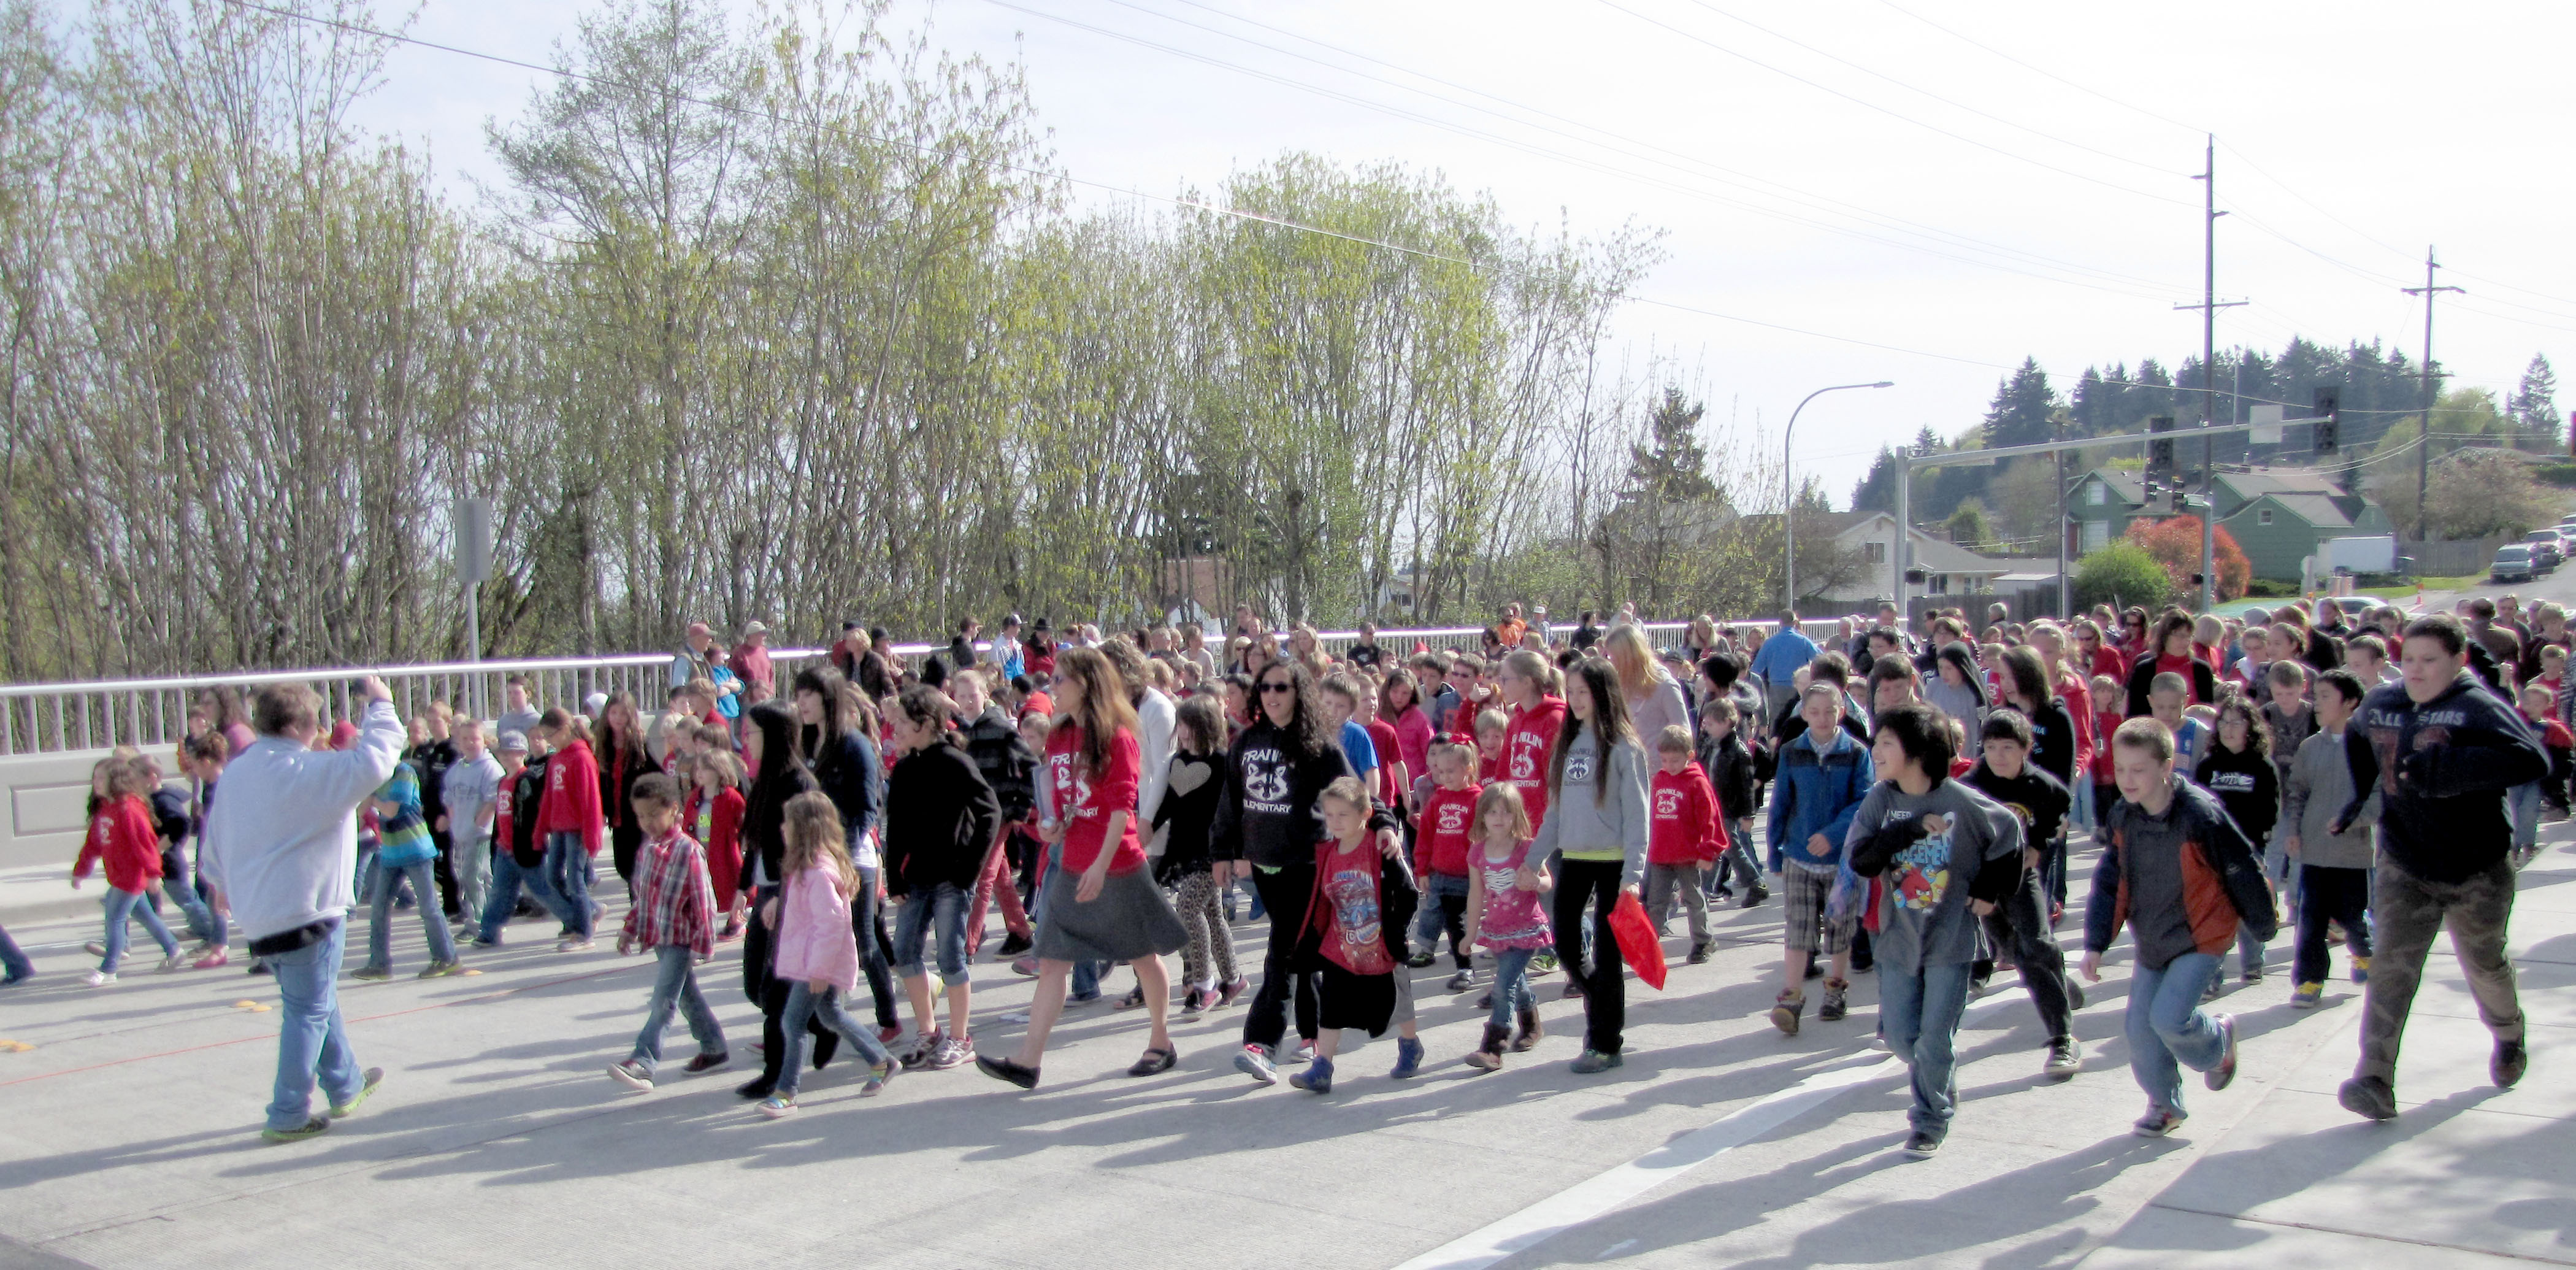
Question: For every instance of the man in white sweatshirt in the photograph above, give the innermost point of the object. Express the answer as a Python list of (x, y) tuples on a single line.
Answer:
[(278, 851)]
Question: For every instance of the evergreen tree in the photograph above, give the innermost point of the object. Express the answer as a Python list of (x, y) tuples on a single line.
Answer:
[(2023, 402), (2535, 403), (1674, 468), (1877, 491)]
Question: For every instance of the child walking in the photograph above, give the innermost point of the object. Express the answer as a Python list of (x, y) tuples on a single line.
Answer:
[(2176, 871), (1505, 917), (1595, 815), (1684, 837), (404, 850), (1730, 767), (2239, 770), (1186, 814), (1447, 824), (713, 812), (940, 816), (815, 948), (674, 920), (1824, 774), (121, 837), (1354, 936), (2334, 868)]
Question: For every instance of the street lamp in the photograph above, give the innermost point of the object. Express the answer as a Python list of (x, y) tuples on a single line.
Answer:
[(1789, 496)]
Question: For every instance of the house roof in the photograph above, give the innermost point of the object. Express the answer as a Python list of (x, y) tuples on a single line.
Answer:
[(2320, 511), (2131, 487), (1938, 555), (2280, 480)]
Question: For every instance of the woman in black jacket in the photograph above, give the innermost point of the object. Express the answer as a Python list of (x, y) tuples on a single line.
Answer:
[(2025, 688), (2171, 653), (939, 818), (833, 724), (778, 774)]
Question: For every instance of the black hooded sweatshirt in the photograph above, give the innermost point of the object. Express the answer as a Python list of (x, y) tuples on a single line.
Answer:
[(2441, 769)]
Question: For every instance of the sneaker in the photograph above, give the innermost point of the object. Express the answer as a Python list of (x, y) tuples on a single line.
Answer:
[(1305, 1050), (372, 974), (2251, 977), (367, 1083), (1785, 1011), (1462, 981), (102, 978), (879, 1074), (1316, 1079), (2158, 1121), (1228, 994), (2368, 1097), (2505, 1066), (1422, 960), (705, 1063), (258, 966), (1408, 1058), (311, 1128), (889, 1034), (1835, 1007), (95, 948), (1542, 964), (2210, 993), (778, 1106), (1594, 1062), (632, 1075), (1012, 946), (1698, 953), (442, 969), (1254, 1061), (485, 941), (2219, 1077), (1195, 1002), (1721, 895), (1756, 896), (1921, 1146), (922, 1051), (175, 961), (583, 944), (2306, 995), (1025, 967), (2065, 1058), (951, 1053), (2361, 970)]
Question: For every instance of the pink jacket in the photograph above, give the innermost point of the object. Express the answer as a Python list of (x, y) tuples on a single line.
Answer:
[(815, 943)]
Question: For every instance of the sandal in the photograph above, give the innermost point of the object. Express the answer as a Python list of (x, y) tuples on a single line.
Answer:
[(1155, 1062), (1134, 999)]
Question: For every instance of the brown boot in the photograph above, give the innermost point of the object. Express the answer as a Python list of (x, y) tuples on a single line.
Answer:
[(1488, 1055), (1531, 1032)]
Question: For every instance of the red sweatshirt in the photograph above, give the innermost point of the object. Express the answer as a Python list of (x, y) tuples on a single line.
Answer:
[(121, 834), (1528, 745), (1448, 817), (571, 801), (718, 826), (1683, 825)]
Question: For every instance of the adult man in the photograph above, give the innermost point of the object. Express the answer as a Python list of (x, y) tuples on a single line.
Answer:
[(961, 646), (696, 658), (1779, 660), (519, 711), (1511, 628), (1006, 649), (2499, 639), (1365, 652), (2441, 752), (277, 852), (751, 664)]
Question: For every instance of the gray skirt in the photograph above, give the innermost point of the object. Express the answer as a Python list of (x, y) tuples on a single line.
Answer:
[(1127, 920)]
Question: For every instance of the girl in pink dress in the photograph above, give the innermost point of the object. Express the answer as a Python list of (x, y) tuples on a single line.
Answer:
[(1504, 887)]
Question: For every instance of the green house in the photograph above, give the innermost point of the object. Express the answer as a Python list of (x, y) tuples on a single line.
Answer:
[(2278, 515), (2100, 506)]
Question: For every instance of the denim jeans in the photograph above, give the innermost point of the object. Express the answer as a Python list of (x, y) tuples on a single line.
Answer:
[(2522, 802), (675, 985), (2167, 1029), (1736, 862), (471, 860), (804, 1005), (203, 922), (1511, 985), (120, 905), (938, 913), (507, 878), (876, 951), (366, 871), (1919, 1013), (14, 965), (567, 874), (1444, 903), (380, 918), (312, 1043)]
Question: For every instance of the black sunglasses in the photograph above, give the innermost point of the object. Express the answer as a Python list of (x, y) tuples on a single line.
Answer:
[(1279, 687)]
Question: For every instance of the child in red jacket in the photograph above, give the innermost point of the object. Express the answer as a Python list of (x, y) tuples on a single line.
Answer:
[(122, 837), (1685, 835), (568, 822), (714, 815)]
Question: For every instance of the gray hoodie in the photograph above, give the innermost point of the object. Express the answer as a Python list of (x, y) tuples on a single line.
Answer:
[(2320, 785), (1588, 823)]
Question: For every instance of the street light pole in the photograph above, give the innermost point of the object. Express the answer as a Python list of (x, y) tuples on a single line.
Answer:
[(1789, 499)]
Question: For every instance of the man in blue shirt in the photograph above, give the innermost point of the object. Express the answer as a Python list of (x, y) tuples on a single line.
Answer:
[(1779, 660)]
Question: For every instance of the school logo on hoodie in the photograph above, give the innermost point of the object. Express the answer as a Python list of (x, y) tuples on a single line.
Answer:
[(1266, 781)]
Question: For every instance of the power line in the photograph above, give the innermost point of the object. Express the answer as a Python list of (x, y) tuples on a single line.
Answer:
[(2043, 72)]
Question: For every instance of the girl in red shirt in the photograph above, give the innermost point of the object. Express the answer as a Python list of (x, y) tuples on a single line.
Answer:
[(122, 837), (1102, 905), (713, 815)]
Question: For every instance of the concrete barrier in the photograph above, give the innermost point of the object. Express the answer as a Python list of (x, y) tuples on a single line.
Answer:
[(40, 836)]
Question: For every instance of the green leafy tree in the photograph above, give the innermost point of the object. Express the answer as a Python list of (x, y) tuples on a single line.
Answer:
[(1969, 527), (2122, 574)]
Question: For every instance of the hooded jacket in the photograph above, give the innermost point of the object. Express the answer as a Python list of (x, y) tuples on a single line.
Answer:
[(2221, 879), (939, 818), (2440, 769), (1816, 794)]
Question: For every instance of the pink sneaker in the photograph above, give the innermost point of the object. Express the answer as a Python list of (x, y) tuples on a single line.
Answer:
[(210, 959)]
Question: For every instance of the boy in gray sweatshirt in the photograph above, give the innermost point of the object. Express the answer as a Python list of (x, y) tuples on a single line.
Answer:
[(2334, 868)]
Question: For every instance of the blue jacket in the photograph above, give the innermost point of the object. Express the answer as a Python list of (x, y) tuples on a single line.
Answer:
[(1817, 793), (1781, 656)]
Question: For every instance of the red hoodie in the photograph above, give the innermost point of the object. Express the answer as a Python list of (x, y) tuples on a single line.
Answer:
[(571, 801), (1529, 743), (1683, 826), (1447, 821), (121, 834)]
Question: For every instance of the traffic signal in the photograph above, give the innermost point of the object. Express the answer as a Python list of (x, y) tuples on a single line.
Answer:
[(2154, 490), (2160, 452), (2329, 420)]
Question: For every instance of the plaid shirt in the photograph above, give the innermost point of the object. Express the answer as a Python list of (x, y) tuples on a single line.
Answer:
[(675, 902)]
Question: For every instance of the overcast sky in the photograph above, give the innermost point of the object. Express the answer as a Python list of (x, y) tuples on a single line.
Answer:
[(1845, 168)]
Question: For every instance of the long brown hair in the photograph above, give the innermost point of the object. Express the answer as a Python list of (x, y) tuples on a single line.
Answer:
[(604, 739), (1100, 709), (811, 828), (1610, 726)]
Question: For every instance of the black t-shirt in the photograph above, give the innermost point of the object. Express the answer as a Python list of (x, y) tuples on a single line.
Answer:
[(1364, 654), (2038, 798)]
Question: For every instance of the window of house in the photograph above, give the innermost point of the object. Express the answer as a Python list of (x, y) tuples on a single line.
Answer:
[(2097, 494), (2263, 517), (1940, 584), (1874, 553), (2096, 533)]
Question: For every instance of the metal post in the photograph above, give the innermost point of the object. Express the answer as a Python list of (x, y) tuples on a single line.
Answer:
[(1789, 496), (1904, 534), (2064, 596), (2209, 373), (2424, 430)]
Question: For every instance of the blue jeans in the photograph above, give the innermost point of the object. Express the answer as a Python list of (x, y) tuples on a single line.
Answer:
[(1511, 985), (939, 913), (2167, 1029), (1444, 903), (567, 874), (380, 923), (312, 1043), (876, 952), (1919, 1014), (507, 878), (2523, 803), (804, 1005), (675, 985), (120, 905), (366, 873), (203, 921), (14, 965)]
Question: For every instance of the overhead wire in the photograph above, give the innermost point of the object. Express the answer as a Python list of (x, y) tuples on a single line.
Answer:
[(2045, 72)]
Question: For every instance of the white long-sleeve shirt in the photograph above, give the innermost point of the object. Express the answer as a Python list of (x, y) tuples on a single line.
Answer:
[(282, 841)]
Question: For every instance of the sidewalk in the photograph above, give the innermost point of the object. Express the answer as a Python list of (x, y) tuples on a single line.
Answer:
[(497, 1139)]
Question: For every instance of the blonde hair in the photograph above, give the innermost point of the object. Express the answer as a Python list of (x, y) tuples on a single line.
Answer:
[(811, 826), (1625, 647)]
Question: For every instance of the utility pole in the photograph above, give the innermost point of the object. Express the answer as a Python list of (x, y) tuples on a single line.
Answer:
[(2209, 307), (2424, 430)]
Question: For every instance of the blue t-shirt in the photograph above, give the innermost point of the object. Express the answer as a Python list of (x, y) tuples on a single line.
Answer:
[(1781, 656), (1359, 749)]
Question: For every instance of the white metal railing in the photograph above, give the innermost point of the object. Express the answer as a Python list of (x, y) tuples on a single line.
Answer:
[(54, 717)]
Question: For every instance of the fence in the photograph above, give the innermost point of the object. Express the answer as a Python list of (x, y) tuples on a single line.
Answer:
[(2450, 559), (63, 717)]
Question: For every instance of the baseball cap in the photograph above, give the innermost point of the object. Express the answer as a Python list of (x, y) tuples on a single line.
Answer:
[(514, 743)]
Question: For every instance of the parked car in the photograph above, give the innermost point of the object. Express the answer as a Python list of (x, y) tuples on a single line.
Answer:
[(2548, 549), (2512, 564)]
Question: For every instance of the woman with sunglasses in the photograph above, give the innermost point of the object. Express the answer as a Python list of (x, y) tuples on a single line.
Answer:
[(1267, 827)]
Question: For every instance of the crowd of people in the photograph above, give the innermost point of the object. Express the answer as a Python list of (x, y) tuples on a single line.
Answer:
[(2360, 779)]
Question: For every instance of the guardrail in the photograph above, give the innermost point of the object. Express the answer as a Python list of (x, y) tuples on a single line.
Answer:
[(55, 717)]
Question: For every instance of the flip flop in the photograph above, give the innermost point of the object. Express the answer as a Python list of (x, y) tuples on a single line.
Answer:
[(1155, 1062)]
